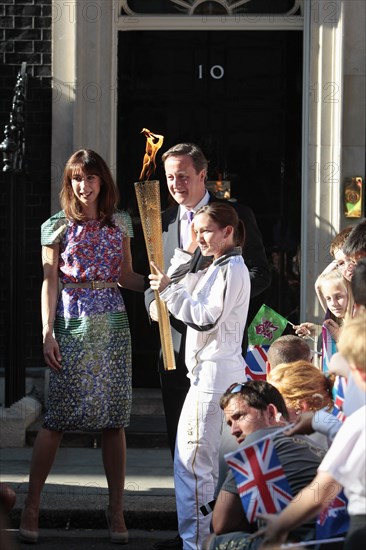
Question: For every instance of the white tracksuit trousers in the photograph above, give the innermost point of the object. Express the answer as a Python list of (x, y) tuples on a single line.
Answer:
[(196, 464)]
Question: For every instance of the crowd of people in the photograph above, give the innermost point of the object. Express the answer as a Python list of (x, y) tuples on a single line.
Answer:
[(339, 444), (215, 416)]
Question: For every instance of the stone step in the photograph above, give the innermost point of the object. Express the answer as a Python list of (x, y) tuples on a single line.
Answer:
[(147, 426), (144, 431), (147, 401)]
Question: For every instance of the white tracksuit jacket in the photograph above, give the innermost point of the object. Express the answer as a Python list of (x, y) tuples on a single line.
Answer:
[(214, 304)]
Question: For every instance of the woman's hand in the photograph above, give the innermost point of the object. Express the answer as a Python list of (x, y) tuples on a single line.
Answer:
[(51, 353), (158, 280)]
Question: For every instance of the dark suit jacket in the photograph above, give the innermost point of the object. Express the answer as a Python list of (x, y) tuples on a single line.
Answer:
[(253, 254)]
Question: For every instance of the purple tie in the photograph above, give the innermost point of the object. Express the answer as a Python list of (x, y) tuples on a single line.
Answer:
[(186, 237)]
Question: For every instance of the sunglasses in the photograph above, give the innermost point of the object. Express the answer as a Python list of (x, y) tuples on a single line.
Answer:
[(238, 387)]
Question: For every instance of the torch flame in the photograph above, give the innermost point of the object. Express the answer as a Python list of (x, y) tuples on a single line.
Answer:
[(153, 144)]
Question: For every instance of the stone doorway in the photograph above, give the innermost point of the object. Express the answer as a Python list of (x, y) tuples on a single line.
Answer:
[(239, 96)]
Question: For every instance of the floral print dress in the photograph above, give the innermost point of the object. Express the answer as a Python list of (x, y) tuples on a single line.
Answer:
[(93, 390)]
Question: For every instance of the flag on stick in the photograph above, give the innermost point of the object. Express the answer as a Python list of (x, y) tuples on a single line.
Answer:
[(260, 478), (334, 520), (266, 327), (264, 489)]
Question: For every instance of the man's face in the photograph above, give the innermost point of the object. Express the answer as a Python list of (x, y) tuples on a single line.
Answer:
[(184, 184), (345, 264), (243, 419)]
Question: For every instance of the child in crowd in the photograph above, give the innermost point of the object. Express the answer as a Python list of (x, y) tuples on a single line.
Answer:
[(335, 292), (336, 251), (355, 398)]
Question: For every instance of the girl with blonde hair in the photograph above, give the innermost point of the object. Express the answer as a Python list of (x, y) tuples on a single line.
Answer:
[(334, 291)]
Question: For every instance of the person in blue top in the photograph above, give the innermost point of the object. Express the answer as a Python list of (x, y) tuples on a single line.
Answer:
[(86, 336)]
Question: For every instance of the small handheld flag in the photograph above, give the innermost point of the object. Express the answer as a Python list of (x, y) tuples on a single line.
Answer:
[(334, 520), (339, 391), (266, 327), (261, 481)]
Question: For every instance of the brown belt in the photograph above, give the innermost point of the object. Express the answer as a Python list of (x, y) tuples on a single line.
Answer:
[(94, 285)]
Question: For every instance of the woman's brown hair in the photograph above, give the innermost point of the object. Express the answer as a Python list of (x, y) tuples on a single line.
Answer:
[(89, 162), (223, 214)]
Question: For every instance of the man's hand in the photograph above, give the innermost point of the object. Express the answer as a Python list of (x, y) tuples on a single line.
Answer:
[(271, 532)]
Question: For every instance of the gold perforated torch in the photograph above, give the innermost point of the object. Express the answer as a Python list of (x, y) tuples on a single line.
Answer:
[(148, 200)]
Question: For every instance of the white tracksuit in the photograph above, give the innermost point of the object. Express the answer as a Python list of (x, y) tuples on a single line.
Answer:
[(214, 304)]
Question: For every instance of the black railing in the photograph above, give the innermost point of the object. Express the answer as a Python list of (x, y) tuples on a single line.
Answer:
[(13, 151)]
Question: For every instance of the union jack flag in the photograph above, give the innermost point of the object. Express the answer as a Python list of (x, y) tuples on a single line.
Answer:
[(339, 390), (261, 481), (334, 520), (256, 361)]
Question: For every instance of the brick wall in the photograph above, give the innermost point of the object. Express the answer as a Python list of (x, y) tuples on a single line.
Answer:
[(25, 32)]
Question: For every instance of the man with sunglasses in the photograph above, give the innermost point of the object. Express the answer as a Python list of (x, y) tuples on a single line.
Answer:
[(253, 410)]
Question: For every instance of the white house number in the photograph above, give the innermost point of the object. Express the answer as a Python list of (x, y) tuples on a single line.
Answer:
[(216, 72)]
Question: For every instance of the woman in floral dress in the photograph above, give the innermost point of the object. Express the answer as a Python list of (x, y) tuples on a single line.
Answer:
[(86, 336)]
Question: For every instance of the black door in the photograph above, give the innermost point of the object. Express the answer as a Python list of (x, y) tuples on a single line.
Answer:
[(238, 95)]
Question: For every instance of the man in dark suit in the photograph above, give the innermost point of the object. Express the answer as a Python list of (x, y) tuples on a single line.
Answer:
[(186, 172)]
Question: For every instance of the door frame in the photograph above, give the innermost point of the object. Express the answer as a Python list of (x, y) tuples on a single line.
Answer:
[(85, 110)]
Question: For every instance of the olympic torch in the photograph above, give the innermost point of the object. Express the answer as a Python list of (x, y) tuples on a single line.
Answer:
[(148, 201)]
